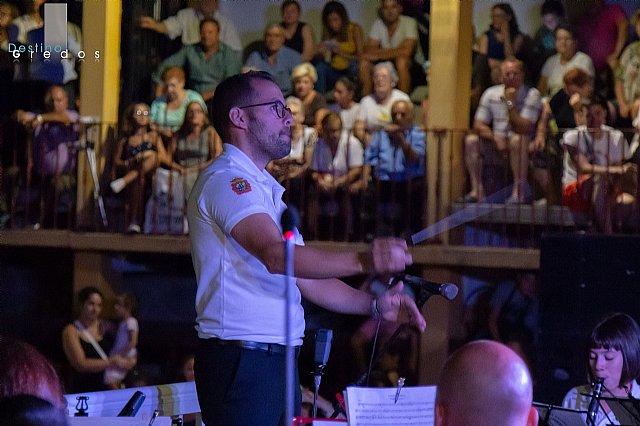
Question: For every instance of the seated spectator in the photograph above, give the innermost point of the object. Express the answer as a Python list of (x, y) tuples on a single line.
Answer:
[(208, 62), (627, 77), (513, 315), (139, 152), (194, 146), (186, 24), (375, 109), (298, 34), (8, 12), (336, 165), (552, 12), (395, 159), (86, 343), (562, 112), (53, 155), (502, 40), (394, 38), (29, 410), (303, 78), (341, 45), (504, 122), (594, 169), (25, 371), (31, 20), (568, 57), (291, 170), (345, 94), (484, 384), (275, 58), (603, 30), (126, 341), (167, 110), (613, 356)]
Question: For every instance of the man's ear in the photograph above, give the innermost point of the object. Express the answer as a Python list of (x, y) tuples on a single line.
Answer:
[(238, 118), (532, 420)]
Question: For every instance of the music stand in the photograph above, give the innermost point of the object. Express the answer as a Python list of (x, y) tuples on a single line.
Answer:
[(554, 415)]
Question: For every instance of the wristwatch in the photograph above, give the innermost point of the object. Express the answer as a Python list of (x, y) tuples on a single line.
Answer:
[(509, 105)]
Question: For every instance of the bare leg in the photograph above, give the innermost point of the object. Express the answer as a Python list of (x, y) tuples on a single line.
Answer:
[(473, 162), (364, 73), (404, 75), (519, 162)]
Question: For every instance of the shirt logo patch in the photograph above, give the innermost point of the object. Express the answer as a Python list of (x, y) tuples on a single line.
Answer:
[(240, 186)]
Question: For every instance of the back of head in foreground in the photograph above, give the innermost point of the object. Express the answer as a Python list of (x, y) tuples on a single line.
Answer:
[(30, 410), (485, 383)]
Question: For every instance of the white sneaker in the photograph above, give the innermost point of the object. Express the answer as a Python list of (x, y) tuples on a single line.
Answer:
[(117, 185), (134, 228), (542, 202)]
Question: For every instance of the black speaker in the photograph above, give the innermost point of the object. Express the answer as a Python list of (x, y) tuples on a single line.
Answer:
[(582, 278)]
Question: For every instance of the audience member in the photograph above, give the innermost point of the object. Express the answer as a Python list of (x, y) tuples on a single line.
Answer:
[(395, 159), (304, 77), (194, 146), (186, 24), (594, 169), (31, 20), (504, 121), (502, 40), (603, 31), (86, 342), (126, 341), (613, 356), (30, 410), (484, 384), (275, 58), (552, 12), (375, 109), (8, 13), (208, 62), (291, 170), (298, 34), (562, 112), (342, 44), (627, 77), (139, 153), (513, 315), (568, 57), (345, 95), (336, 166), (25, 371), (167, 110), (393, 37)]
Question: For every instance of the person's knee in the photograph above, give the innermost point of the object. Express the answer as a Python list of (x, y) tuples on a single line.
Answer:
[(471, 142)]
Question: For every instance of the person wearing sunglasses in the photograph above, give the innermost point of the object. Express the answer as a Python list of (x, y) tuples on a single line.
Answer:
[(238, 253)]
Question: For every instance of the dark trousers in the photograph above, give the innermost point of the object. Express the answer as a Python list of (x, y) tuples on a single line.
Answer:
[(242, 387)]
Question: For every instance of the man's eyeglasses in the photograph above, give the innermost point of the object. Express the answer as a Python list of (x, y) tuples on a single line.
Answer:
[(277, 106), (142, 112)]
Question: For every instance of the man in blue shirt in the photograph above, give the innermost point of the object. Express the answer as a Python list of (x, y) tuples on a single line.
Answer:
[(395, 160), (275, 58), (208, 62)]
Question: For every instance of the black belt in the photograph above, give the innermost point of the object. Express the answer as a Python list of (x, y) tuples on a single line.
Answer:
[(272, 348)]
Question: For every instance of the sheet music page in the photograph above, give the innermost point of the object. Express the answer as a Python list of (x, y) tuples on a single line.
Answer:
[(377, 406)]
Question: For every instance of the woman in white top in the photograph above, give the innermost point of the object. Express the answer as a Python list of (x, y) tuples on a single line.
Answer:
[(567, 58), (614, 359), (344, 92)]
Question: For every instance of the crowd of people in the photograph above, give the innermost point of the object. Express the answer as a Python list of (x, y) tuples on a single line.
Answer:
[(165, 142)]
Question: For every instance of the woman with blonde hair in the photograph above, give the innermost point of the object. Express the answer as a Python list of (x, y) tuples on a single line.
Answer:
[(304, 77)]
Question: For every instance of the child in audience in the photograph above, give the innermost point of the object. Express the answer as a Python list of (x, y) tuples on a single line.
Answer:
[(126, 338)]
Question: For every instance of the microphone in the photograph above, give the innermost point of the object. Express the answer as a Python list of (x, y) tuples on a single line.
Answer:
[(289, 221), (323, 347), (423, 289), (595, 401), (133, 405)]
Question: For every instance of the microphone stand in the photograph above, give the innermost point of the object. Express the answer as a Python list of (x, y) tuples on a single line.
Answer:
[(317, 378), (289, 224)]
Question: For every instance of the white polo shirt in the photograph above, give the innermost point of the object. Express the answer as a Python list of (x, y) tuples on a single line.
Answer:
[(237, 298)]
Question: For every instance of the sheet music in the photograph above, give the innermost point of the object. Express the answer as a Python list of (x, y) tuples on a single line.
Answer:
[(377, 406)]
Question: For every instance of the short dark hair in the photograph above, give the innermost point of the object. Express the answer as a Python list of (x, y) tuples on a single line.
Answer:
[(48, 96), (209, 20), (620, 332), (86, 293), (29, 410), (235, 91), (552, 6), (287, 3), (568, 28)]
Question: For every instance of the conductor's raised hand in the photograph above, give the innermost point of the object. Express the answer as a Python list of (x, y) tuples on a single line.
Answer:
[(394, 305), (389, 255)]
